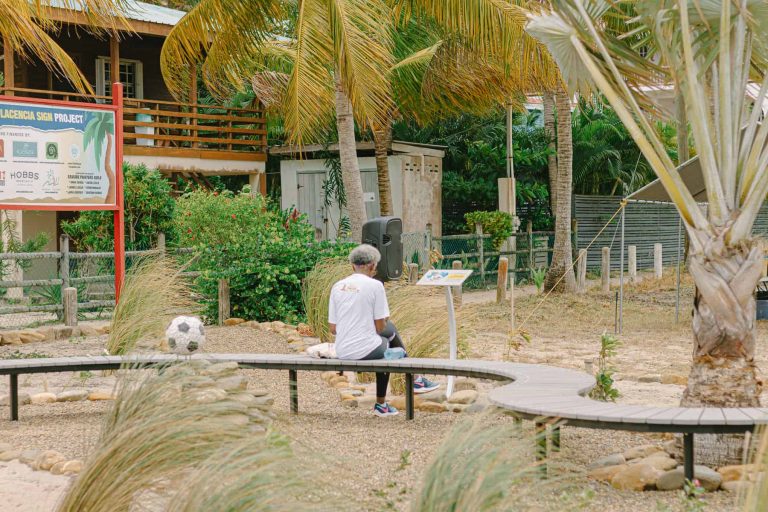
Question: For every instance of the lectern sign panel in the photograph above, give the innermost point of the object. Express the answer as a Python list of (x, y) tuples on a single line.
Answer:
[(444, 277), (53, 155)]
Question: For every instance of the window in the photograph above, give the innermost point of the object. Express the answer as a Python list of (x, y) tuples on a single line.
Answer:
[(131, 75)]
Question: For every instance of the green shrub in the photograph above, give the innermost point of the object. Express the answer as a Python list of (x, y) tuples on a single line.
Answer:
[(498, 224), (263, 252), (149, 210)]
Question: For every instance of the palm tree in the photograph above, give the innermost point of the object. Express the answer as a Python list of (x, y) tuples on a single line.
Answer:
[(25, 27), (337, 55), (100, 126), (548, 112), (710, 54)]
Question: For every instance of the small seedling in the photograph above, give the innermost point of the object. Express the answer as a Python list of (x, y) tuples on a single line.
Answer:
[(691, 496), (405, 460), (537, 276), (84, 376), (604, 389)]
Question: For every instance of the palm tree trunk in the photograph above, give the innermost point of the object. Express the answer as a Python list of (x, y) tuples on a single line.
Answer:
[(549, 128), (350, 169), (723, 372), (111, 181), (560, 276), (382, 142)]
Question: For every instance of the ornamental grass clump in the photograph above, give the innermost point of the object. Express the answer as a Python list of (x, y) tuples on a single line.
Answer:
[(316, 293), (172, 441), (490, 468), (154, 292)]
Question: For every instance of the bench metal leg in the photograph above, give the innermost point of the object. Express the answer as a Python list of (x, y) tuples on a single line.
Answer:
[(14, 397), (409, 396), (541, 448), (293, 385), (555, 438), (688, 456)]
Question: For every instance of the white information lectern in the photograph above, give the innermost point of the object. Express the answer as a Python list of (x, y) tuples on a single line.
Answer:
[(447, 279)]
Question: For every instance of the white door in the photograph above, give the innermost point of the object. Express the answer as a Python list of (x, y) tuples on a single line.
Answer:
[(310, 201)]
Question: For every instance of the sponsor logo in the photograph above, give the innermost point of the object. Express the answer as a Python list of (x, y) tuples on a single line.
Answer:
[(51, 151), (24, 175), (74, 150), (24, 149)]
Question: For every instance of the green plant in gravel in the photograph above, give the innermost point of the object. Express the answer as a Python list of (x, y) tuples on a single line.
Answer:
[(26, 355), (537, 276), (262, 251), (149, 210), (498, 224), (604, 389)]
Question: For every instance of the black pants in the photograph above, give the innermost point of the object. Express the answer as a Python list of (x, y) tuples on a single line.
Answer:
[(390, 338)]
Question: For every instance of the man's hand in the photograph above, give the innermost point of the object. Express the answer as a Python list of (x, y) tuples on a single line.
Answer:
[(332, 328)]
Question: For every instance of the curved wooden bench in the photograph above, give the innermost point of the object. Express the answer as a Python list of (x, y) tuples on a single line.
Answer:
[(544, 394)]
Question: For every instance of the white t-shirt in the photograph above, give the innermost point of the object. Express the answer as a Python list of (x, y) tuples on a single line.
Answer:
[(356, 301)]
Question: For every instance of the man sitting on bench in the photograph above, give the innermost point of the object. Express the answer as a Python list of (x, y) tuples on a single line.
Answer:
[(358, 314)]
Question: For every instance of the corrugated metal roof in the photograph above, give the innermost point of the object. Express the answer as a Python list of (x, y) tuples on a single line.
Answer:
[(138, 11)]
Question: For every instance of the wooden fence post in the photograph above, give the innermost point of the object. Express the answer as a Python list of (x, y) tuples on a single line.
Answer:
[(658, 265), (605, 273), (501, 282), (456, 265), (632, 263), (161, 243), (69, 297), (581, 271), (64, 261), (224, 310), (413, 273), (481, 250), (427, 264)]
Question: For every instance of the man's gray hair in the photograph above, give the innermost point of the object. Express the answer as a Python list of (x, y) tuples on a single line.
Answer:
[(364, 254)]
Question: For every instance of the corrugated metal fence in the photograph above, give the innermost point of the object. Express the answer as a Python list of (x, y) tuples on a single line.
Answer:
[(645, 225)]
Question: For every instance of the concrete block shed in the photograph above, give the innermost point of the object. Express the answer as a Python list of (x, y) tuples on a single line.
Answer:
[(415, 173)]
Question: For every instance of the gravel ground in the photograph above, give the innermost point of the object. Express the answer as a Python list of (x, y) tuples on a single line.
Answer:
[(368, 463)]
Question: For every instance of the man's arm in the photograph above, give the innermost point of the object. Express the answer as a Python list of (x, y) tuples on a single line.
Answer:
[(380, 325)]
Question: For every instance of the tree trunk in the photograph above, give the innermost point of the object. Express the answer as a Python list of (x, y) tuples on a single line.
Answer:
[(549, 128), (560, 276), (723, 372), (382, 141), (350, 169), (111, 181)]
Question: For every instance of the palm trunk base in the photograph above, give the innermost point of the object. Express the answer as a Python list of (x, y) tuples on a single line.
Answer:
[(560, 278), (721, 382)]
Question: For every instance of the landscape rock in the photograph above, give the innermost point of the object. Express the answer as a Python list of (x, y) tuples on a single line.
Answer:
[(466, 396), (670, 447), (398, 402), (366, 401), (304, 330), (351, 392), (29, 456), (353, 403), (258, 392), (89, 330), (31, 336), (737, 472), (660, 461), (639, 452), (637, 477), (58, 468), (47, 459), (615, 459), (476, 407), (680, 380), (42, 398), (456, 407), (72, 467), (207, 395), (11, 338), (708, 478), (63, 332), (651, 377), (429, 406), (263, 400), (9, 455), (95, 396), (341, 384), (24, 399), (4, 447), (338, 378), (278, 325), (105, 329), (606, 473), (48, 333), (736, 486), (229, 322), (233, 383), (327, 376), (464, 384), (346, 396), (74, 395), (436, 395)]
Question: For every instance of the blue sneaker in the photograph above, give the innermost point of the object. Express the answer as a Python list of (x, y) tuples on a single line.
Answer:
[(384, 410), (424, 385)]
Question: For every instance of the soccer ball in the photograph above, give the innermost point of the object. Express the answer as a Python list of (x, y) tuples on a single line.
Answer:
[(185, 335)]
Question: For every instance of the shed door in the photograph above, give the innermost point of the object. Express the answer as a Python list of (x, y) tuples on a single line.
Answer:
[(310, 194), (371, 193)]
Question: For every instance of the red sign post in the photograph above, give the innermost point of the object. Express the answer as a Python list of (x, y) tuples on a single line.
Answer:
[(54, 157)]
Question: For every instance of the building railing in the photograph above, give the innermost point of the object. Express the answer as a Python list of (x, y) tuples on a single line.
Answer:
[(167, 124)]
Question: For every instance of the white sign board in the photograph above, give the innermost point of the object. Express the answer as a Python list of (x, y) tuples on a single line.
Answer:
[(444, 277), (53, 155)]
